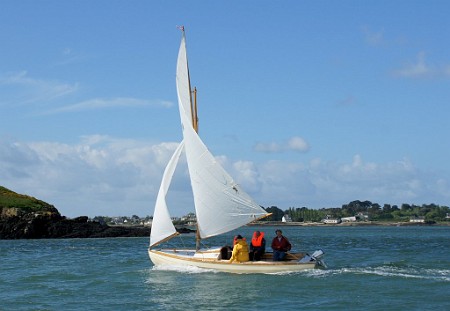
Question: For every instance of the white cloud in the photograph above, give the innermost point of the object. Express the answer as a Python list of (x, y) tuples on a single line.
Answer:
[(268, 147), (422, 69), (294, 144), (70, 56), (19, 88), (110, 176), (102, 175), (103, 103), (329, 184), (297, 144), (417, 69), (372, 37)]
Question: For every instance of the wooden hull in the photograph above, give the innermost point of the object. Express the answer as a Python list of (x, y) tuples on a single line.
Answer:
[(208, 260)]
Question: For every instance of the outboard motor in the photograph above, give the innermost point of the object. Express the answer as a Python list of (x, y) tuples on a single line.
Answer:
[(316, 256)]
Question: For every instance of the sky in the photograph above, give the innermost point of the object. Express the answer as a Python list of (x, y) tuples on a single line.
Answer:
[(305, 103)]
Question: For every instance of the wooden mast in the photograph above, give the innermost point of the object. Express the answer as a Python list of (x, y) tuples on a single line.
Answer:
[(194, 117), (195, 125), (194, 111)]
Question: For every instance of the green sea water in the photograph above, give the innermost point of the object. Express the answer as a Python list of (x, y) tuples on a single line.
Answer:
[(369, 268)]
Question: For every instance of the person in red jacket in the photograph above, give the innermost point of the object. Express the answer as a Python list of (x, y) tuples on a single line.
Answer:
[(257, 246), (280, 245)]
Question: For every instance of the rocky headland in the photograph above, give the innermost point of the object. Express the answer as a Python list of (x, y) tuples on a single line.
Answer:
[(25, 217)]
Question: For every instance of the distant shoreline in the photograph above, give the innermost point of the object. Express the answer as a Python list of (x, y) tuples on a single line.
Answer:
[(347, 224)]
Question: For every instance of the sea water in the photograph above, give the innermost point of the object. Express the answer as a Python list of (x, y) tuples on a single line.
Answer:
[(369, 268)]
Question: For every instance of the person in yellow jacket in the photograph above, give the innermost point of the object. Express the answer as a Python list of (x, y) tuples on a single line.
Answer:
[(240, 250)]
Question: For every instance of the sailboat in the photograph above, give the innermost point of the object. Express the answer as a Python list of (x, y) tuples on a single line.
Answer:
[(221, 204)]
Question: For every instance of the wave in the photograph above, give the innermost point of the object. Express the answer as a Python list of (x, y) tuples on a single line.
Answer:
[(183, 269), (388, 271)]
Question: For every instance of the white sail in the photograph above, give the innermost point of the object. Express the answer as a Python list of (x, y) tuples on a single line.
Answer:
[(182, 78), (220, 204), (162, 226)]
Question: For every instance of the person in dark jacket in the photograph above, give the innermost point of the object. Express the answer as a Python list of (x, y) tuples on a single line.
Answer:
[(280, 246)]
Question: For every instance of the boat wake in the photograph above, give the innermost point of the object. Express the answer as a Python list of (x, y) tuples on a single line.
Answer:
[(442, 275), (183, 269)]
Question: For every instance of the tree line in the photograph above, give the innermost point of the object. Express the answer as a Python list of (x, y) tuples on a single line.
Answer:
[(374, 211)]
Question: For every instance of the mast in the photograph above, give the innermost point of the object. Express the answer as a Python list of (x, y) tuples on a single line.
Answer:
[(195, 126), (192, 93), (194, 118), (194, 111), (214, 191)]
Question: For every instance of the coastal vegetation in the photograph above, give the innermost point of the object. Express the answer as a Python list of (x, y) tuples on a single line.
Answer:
[(14, 204), (17, 205), (373, 211)]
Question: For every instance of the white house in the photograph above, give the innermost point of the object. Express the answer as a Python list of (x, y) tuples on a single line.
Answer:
[(349, 219), (420, 219), (286, 218), (329, 220)]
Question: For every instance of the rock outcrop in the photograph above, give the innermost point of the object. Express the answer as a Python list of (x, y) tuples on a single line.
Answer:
[(24, 217), (30, 226)]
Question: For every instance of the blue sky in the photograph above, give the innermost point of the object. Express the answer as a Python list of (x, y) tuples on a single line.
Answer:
[(306, 103)]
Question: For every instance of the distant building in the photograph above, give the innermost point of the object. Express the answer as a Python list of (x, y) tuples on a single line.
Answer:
[(420, 219), (148, 223), (286, 218), (362, 216), (349, 219), (329, 220), (190, 219)]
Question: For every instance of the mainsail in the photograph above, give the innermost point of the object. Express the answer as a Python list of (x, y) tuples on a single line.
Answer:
[(183, 80), (220, 203)]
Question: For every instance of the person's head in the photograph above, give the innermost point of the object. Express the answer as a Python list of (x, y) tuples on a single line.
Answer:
[(257, 233), (239, 237), (279, 232)]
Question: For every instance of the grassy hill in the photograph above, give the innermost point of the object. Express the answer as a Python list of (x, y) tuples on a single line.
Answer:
[(12, 203)]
